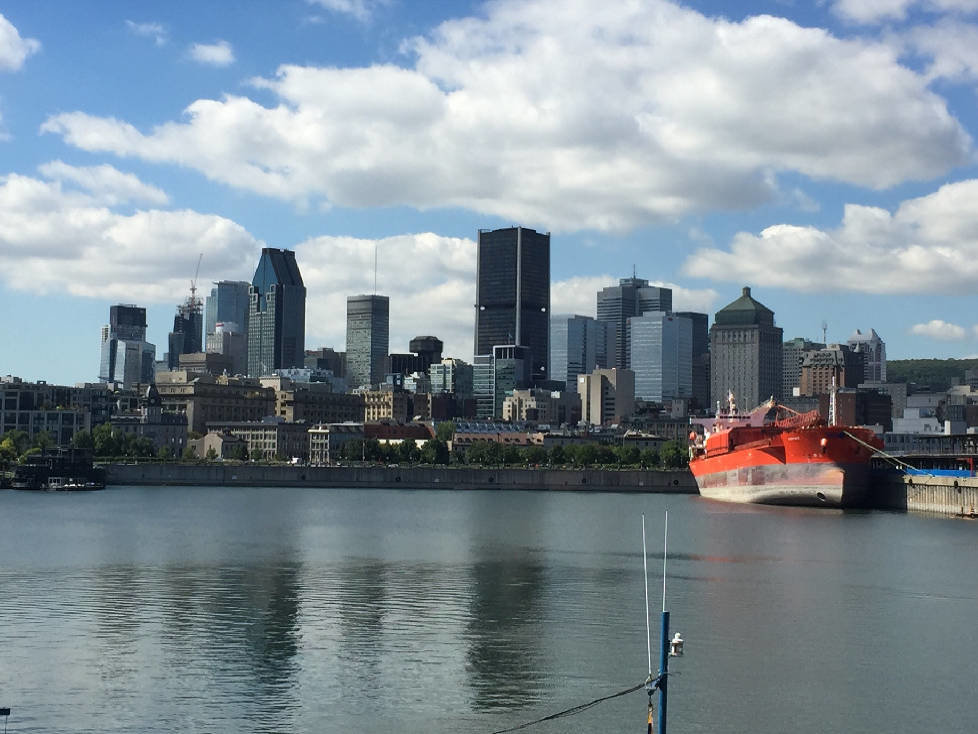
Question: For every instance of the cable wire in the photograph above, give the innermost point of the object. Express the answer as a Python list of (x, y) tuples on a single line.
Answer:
[(571, 711)]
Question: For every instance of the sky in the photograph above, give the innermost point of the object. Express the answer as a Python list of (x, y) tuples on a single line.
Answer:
[(822, 153)]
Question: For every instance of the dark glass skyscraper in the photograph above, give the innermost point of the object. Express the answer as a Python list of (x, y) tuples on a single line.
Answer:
[(276, 314), (512, 296), (228, 304), (127, 358)]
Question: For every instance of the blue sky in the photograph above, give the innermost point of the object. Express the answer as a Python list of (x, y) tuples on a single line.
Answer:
[(822, 153)]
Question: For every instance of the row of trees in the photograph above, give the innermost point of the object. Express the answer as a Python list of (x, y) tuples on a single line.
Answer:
[(16, 445), (434, 451), (488, 453)]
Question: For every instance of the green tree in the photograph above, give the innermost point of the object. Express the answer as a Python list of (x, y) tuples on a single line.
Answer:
[(605, 455), (512, 455), (445, 431), (211, 454), (189, 454), (165, 453), (629, 455), (494, 453), (475, 452), (407, 451), (239, 452), (82, 440), (434, 451), (8, 451), (43, 440), (558, 456), (587, 454), (674, 455), (649, 458), (373, 450), (535, 455), (107, 442), (20, 440)]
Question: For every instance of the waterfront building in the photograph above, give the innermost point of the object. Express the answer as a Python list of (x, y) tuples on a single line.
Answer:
[(36, 407), (873, 350), (700, 357), (224, 446), (127, 358), (326, 441), (312, 402), (207, 398), (512, 297), (164, 429), (386, 405), (618, 303), (793, 354), (578, 344), (228, 303), (661, 355), (276, 314), (607, 396), (834, 366), (745, 353), (367, 339), (268, 439)]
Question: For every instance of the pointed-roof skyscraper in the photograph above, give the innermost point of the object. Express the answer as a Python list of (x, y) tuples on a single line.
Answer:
[(276, 314)]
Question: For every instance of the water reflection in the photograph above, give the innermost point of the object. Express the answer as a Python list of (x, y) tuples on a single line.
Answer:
[(503, 633)]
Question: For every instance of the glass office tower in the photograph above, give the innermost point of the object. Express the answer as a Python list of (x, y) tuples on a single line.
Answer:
[(276, 314)]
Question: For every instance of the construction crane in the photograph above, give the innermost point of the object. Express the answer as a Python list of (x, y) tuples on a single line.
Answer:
[(194, 301)]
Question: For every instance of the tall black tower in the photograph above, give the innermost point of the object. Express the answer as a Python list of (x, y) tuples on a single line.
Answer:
[(276, 314), (512, 296)]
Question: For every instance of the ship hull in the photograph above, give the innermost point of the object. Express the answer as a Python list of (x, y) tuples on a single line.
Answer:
[(812, 485)]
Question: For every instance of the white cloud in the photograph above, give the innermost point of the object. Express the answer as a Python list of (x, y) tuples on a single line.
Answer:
[(951, 46), (869, 12), (928, 244), (14, 50), (156, 31), (938, 329), (107, 185), (219, 53), (55, 240), (567, 116), (362, 10)]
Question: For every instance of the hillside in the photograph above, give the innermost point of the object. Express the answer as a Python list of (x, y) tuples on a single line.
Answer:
[(936, 373)]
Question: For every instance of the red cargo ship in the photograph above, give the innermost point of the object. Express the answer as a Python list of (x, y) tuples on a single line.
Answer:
[(776, 456)]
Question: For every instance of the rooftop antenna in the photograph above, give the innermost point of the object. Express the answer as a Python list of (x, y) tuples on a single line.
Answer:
[(634, 272), (375, 267)]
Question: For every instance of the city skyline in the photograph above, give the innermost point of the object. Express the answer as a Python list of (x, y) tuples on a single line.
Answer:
[(190, 132)]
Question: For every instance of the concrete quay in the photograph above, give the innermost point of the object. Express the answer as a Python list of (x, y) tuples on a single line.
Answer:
[(398, 477), (948, 496)]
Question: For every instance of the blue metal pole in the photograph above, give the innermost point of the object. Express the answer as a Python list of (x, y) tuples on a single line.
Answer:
[(663, 671)]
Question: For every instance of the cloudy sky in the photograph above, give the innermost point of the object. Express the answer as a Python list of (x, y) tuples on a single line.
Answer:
[(822, 153)]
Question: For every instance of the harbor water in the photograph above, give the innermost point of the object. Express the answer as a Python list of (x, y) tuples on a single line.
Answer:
[(209, 609)]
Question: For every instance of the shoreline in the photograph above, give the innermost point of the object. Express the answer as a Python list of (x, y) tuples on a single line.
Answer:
[(676, 481)]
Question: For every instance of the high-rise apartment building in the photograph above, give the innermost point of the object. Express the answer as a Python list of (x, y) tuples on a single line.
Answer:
[(578, 345), (228, 304), (367, 339), (745, 352), (126, 357), (661, 355), (276, 314), (873, 350), (631, 297), (513, 294)]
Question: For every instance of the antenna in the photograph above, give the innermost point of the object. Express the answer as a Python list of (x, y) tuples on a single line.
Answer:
[(825, 328), (193, 283), (375, 267)]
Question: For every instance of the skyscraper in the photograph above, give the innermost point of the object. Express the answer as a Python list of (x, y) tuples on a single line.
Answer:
[(745, 351), (513, 294), (874, 354), (228, 304), (793, 354), (631, 297), (701, 357), (276, 314), (367, 338), (127, 358), (186, 337), (661, 355), (578, 345)]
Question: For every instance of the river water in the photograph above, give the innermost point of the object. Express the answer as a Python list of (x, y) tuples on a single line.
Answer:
[(312, 610)]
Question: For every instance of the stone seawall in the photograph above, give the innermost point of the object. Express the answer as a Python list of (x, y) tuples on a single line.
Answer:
[(951, 496), (256, 475)]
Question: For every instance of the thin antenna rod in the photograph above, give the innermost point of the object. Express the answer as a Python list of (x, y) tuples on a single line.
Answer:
[(375, 268), (665, 549), (648, 625)]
